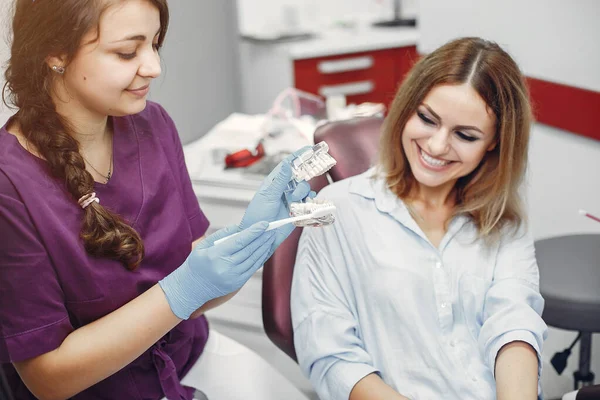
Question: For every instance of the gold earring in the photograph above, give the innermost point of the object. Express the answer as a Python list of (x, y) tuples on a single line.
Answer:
[(58, 69)]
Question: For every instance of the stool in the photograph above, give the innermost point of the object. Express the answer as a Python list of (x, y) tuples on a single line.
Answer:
[(570, 284)]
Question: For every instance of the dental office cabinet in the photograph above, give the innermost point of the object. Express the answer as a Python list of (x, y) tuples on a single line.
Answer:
[(364, 65)]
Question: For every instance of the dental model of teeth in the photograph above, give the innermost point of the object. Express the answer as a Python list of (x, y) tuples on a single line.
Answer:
[(313, 162), (311, 206)]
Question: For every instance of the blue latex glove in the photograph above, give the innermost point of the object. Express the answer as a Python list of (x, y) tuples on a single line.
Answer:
[(269, 204), (215, 271)]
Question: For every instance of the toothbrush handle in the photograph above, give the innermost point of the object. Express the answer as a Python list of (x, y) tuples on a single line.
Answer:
[(272, 225), (225, 238), (282, 222)]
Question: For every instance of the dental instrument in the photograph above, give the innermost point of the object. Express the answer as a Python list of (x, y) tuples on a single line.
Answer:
[(590, 216)]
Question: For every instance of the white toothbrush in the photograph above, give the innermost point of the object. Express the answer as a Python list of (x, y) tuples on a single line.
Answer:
[(317, 213)]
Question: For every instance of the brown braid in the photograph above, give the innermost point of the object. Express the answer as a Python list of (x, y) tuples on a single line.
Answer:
[(51, 27)]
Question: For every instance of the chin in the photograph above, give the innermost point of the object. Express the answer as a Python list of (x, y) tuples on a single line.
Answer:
[(129, 109), (429, 181), (432, 179)]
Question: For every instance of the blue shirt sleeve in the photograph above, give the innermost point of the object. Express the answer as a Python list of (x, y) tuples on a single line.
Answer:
[(330, 350), (513, 303)]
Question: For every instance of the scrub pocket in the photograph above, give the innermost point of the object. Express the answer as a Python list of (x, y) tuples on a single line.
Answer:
[(84, 312)]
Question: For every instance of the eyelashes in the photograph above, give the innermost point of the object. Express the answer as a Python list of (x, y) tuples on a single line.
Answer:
[(131, 56), (431, 122)]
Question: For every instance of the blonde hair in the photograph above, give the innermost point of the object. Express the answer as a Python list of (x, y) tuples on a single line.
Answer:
[(489, 194)]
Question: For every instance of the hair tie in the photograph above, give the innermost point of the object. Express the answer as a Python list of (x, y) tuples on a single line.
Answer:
[(88, 199)]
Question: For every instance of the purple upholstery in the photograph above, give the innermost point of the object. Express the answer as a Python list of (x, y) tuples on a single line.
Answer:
[(354, 145), (589, 393)]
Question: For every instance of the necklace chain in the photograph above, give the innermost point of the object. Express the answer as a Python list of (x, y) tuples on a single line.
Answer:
[(110, 167), (107, 176)]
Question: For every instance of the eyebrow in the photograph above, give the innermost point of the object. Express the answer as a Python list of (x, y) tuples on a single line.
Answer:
[(469, 127), (140, 38)]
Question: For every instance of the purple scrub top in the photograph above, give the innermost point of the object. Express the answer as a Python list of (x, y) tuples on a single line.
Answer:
[(50, 286)]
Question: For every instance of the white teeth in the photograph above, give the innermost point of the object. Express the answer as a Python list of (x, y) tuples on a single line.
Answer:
[(299, 208), (313, 162), (434, 162)]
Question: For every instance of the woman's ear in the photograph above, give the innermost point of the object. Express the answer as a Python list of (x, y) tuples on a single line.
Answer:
[(57, 63), (493, 145)]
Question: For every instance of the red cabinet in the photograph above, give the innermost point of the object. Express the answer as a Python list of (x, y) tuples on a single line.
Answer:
[(371, 76)]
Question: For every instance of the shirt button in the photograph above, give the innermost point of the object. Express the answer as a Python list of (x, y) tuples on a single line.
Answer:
[(452, 343), (474, 379), (444, 305), (438, 265)]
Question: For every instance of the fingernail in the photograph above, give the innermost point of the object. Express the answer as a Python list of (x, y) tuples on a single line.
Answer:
[(262, 225)]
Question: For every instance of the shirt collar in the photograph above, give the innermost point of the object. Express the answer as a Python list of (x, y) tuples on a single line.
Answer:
[(371, 185)]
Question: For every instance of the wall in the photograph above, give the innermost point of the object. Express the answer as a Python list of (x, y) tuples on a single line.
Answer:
[(556, 41), (266, 16), (200, 83), (4, 53)]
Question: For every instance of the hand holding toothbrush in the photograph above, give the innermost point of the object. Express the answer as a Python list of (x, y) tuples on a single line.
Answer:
[(316, 213), (269, 203)]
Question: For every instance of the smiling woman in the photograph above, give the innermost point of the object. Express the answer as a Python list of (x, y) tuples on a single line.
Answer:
[(58, 110), (466, 110), (436, 224)]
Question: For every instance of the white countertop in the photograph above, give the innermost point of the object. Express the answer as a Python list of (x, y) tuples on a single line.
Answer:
[(344, 41)]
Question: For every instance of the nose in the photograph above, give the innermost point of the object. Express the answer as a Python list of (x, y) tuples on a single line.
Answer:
[(150, 65), (439, 143)]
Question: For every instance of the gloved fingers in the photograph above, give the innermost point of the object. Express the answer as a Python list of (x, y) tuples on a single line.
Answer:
[(276, 182), (210, 240), (243, 239), (300, 193), (297, 153), (253, 263), (279, 182), (248, 251)]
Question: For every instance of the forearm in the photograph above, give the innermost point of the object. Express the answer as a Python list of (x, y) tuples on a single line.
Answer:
[(372, 387), (209, 305), (100, 349), (516, 372), (214, 303)]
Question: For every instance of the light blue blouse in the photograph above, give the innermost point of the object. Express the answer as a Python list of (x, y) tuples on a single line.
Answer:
[(372, 294)]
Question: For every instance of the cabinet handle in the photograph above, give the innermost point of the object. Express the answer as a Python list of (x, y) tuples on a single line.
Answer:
[(347, 89), (346, 64)]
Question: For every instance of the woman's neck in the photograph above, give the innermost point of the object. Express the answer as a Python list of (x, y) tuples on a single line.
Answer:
[(440, 197), (89, 128)]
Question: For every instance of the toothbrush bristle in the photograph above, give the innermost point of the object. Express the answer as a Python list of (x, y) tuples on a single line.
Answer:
[(582, 212), (321, 212), (314, 208)]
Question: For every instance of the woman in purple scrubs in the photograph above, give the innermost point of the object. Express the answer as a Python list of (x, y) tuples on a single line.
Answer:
[(100, 296)]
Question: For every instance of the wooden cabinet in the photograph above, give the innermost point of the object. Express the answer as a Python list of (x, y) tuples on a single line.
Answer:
[(371, 76)]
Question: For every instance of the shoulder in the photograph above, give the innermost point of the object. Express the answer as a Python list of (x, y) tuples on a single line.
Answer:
[(7, 188), (365, 185), (19, 169)]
